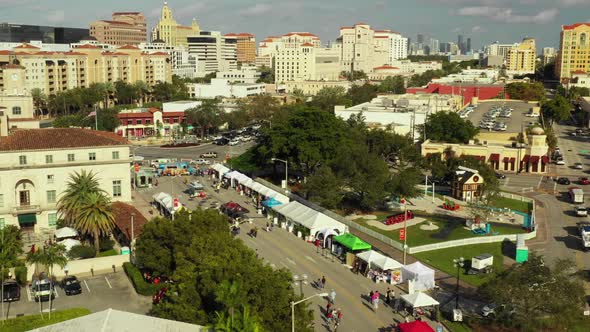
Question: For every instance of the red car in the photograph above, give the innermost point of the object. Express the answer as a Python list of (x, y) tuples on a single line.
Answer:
[(583, 181)]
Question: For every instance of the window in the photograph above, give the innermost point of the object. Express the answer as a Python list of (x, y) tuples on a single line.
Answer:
[(117, 188), (50, 178), (129, 122), (49, 159), (71, 157), (51, 196), (22, 160), (115, 154), (52, 219), (16, 110), (92, 156), (138, 121)]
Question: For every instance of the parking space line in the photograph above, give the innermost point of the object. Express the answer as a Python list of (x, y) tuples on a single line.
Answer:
[(55, 292), (108, 283), (29, 294), (86, 286), (540, 180)]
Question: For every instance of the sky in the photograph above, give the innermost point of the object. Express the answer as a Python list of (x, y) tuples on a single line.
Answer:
[(485, 21)]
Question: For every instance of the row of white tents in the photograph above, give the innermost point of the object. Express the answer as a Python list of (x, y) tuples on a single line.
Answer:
[(238, 178)]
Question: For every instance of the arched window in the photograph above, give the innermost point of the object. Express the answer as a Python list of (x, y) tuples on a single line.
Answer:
[(16, 110)]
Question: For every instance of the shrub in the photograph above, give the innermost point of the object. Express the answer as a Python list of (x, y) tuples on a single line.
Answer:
[(29, 322), (81, 252), (20, 274), (106, 244), (141, 286)]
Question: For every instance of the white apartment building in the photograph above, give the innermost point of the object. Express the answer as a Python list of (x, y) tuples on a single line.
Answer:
[(16, 102), (306, 62), (394, 43), (408, 67), (214, 52), (36, 164), (311, 88), (222, 87), (360, 50), (184, 64), (270, 45), (498, 49), (246, 74)]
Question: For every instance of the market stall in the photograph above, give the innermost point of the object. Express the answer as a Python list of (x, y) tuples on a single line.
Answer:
[(65, 232), (167, 205), (218, 171), (310, 219), (415, 326), (421, 304), (347, 245), (378, 267), (418, 276), (233, 210), (326, 236)]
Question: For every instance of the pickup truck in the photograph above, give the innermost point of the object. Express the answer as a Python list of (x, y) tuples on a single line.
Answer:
[(208, 155)]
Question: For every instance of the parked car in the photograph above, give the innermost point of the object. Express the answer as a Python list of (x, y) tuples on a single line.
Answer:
[(532, 115), (11, 291), (564, 181), (196, 185), (584, 181), (579, 166), (42, 288), (560, 161), (202, 161), (209, 154), (222, 141), (71, 285), (234, 142), (500, 126), (581, 211)]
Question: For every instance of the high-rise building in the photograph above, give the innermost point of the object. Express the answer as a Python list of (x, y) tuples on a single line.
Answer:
[(20, 33), (395, 44), (420, 39), (460, 43), (549, 55), (468, 45), (360, 49), (170, 31), (434, 47), (126, 28), (214, 51), (246, 47), (574, 50), (497, 49), (521, 57)]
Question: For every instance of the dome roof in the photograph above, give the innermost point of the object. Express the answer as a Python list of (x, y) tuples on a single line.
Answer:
[(537, 131)]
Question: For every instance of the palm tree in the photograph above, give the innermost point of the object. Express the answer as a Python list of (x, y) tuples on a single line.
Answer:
[(79, 186), (39, 100), (244, 322), (108, 93), (230, 294), (142, 90), (11, 246), (54, 255), (36, 257), (95, 217)]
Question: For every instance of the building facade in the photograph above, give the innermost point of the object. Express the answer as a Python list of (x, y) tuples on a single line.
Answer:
[(152, 122), (245, 47), (184, 64), (36, 164), (213, 51), (574, 50), (125, 28), (22, 33), (394, 43), (360, 50), (522, 57), (468, 92), (16, 102), (305, 62), (170, 31)]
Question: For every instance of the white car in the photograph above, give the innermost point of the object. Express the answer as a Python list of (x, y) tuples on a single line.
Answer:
[(560, 162), (202, 161), (532, 115), (581, 211), (234, 142)]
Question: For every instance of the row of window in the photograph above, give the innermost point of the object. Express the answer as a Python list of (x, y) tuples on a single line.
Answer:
[(22, 160), (51, 220)]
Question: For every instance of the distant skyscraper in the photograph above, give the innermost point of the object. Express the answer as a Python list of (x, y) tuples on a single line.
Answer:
[(468, 46), (434, 46), (420, 39), (460, 42)]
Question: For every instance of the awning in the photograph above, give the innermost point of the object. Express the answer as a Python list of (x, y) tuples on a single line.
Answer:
[(415, 326), (512, 159), (506, 159), (219, 168), (545, 160), (352, 242), (269, 203), (27, 219), (308, 217), (419, 299), (526, 158), (535, 159), (495, 157), (65, 232)]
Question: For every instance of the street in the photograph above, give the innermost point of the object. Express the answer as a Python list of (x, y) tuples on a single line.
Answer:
[(155, 152)]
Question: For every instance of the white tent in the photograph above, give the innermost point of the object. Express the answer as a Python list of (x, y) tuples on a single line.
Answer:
[(166, 201), (311, 219), (381, 261), (279, 197), (369, 256), (327, 232), (69, 243), (419, 299), (421, 276), (65, 232), (219, 168)]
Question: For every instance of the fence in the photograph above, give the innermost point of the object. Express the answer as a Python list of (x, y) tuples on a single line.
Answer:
[(86, 266), (468, 241)]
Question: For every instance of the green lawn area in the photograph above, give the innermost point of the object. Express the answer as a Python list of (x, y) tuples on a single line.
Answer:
[(26, 323), (111, 252), (457, 326), (245, 163), (454, 230), (443, 260), (513, 204)]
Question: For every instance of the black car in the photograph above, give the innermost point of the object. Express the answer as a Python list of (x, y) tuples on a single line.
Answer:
[(11, 291), (222, 141), (563, 180), (500, 175), (71, 285)]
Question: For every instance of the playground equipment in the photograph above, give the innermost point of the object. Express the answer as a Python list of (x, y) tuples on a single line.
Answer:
[(397, 218), (451, 206)]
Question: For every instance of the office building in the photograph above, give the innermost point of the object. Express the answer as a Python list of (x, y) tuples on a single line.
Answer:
[(170, 31), (245, 47), (22, 33), (394, 43), (521, 58), (497, 49), (434, 47), (360, 50), (184, 64), (574, 50), (305, 62), (214, 52), (125, 28), (468, 46), (549, 55), (461, 44)]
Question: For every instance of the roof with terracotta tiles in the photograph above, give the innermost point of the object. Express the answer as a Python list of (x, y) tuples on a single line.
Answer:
[(122, 213), (128, 47), (6, 52), (58, 138), (573, 26), (160, 53), (230, 34), (303, 34), (25, 45), (88, 46), (135, 115), (245, 34), (115, 22), (385, 67), (307, 44), (579, 72), (12, 66)]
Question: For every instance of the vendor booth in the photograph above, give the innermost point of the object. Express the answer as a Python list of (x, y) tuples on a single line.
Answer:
[(219, 170), (143, 177), (416, 326), (421, 304), (347, 245), (418, 276), (65, 232), (378, 267), (167, 205), (233, 210), (312, 220)]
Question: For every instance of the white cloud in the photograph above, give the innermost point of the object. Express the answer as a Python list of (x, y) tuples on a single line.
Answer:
[(507, 15), (478, 28), (56, 16), (574, 2), (257, 10)]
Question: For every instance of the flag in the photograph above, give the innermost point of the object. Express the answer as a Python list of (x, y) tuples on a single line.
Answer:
[(91, 114)]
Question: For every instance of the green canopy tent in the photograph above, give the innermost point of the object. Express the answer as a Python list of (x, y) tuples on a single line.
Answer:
[(352, 242)]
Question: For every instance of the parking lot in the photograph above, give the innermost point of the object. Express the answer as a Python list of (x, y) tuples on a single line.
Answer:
[(100, 292), (514, 123)]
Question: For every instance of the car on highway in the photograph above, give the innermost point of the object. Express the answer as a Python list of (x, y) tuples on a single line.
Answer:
[(584, 181), (579, 166), (234, 142), (564, 181), (209, 154), (71, 285), (11, 291), (581, 211)]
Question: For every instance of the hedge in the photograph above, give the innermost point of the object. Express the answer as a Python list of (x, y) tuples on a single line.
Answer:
[(81, 251), (141, 286), (29, 322), (20, 274)]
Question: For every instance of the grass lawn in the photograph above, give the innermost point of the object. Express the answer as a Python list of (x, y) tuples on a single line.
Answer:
[(513, 204), (111, 252), (26, 323), (457, 326), (448, 230), (443, 260), (245, 163)]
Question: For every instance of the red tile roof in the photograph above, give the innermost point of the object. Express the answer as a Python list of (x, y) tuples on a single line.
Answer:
[(126, 13), (307, 44), (230, 34), (303, 34), (115, 22), (23, 120), (342, 28), (169, 114), (153, 109), (128, 47), (88, 46), (122, 213), (5, 52), (134, 115), (160, 53), (573, 26), (579, 72), (58, 138), (25, 45), (245, 34), (12, 66), (383, 31), (74, 53), (381, 37), (385, 67)]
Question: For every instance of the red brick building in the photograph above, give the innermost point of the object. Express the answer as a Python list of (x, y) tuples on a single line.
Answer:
[(467, 90)]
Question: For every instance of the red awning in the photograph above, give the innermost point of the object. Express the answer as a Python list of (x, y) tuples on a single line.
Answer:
[(495, 157), (526, 158), (535, 159), (545, 160), (506, 159), (415, 326), (512, 159)]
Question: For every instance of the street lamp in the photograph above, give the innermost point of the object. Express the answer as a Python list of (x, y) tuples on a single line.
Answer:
[(300, 280), (293, 304), (286, 172), (458, 263)]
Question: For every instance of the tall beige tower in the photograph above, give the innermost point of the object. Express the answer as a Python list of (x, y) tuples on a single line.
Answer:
[(171, 32)]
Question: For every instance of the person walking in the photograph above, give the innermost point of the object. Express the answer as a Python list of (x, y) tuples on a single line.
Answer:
[(328, 309), (376, 296), (323, 282), (388, 296), (337, 319), (333, 296)]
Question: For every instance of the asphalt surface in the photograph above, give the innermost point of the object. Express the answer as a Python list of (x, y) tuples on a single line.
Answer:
[(156, 152), (513, 123)]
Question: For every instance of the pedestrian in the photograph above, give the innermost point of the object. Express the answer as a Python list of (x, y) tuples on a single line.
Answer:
[(328, 308), (267, 227), (371, 297), (333, 296), (376, 296), (338, 319), (330, 315), (323, 282)]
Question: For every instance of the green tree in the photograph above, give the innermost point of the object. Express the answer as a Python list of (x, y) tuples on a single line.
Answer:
[(39, 100), (267, 75), (359, 94), (53, 255), (392, 84), (79, 186), (229, 293), (95, 217), (448, 127), (328, 97), (299, 95), (205, 116), (533, 91), (155, 247), (237, 119), (324, 188), (354, 76), (260, 107), (556, 110), (534, 296), (404, 182), (126, 93), (244, 322)]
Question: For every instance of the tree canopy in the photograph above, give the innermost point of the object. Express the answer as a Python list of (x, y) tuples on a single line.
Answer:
[(392, 84), (556, 109), (533, 91), (328, 97), (218, 281), (448, 127)]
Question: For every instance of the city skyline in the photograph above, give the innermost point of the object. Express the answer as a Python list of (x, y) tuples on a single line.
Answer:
[(484, 21)]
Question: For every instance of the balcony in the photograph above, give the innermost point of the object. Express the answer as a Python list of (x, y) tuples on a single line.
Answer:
[(26, 209)]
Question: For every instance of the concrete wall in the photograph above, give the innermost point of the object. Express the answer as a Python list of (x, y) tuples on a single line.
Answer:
[(83, 266)]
